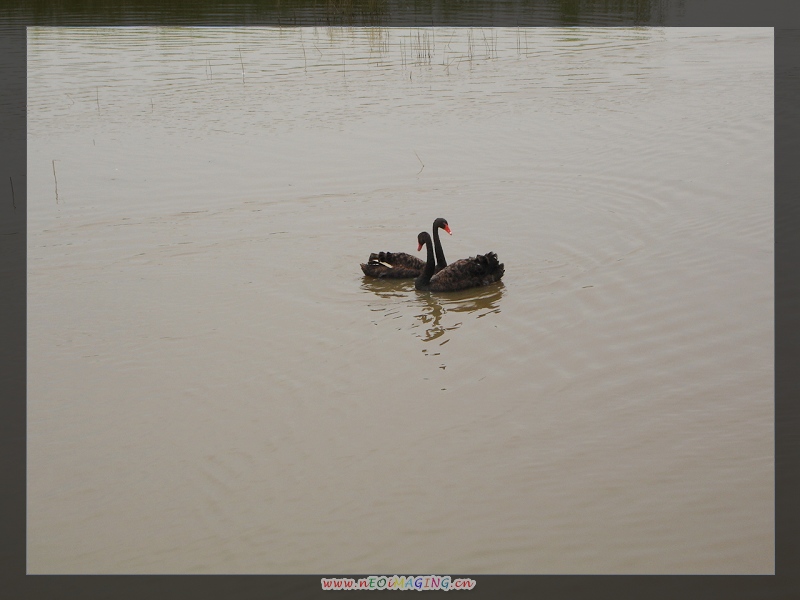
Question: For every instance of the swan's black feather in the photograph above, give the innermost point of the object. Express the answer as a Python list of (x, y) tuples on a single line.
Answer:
[(466, 273)]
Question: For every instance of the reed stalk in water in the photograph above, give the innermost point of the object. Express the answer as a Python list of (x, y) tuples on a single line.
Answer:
[(56, 179), (420, 162)]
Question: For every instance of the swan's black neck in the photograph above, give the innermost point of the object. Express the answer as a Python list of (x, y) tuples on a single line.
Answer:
[(424, 279), (440, 261)]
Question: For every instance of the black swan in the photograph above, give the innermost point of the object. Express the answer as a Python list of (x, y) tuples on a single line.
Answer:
[(465, 273), (399, 265)]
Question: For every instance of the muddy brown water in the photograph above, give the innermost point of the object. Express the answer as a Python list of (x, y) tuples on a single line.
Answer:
[(214, 387)]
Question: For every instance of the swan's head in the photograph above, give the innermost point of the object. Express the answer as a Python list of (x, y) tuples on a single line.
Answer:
[(423, 238), (441, 223)]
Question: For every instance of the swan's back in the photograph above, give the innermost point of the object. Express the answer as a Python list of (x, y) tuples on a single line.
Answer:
[(476, 271)]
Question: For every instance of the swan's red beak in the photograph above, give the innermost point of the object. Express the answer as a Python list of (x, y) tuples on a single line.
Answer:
[(447, 229), (420, 247)]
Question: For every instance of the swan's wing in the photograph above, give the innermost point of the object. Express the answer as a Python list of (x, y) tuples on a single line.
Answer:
[(393, 265)]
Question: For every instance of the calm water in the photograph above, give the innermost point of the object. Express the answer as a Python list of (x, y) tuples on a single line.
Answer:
[(214, 387)]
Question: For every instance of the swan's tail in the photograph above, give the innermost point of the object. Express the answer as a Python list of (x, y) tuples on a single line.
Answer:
[(493, 268), (491, 263)]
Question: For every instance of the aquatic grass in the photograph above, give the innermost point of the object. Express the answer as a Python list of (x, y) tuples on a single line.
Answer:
[(424, 50), (378, 38)]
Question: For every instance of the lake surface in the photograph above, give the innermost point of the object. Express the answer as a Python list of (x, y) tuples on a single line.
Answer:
[(214, 386)]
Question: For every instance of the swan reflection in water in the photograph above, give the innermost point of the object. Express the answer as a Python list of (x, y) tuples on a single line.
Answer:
[(388, 288), (399, 298), (483, 301)]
